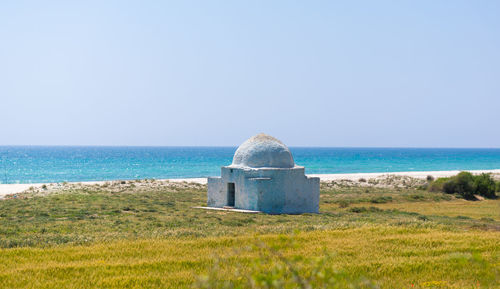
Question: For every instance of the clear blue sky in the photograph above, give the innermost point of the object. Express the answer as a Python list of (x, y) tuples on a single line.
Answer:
[(312, 73)]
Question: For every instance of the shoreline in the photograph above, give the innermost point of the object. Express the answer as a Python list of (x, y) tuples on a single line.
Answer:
[(415, 174), (7, 189)]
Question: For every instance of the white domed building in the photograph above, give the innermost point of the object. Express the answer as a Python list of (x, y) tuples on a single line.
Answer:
[(263, 177)]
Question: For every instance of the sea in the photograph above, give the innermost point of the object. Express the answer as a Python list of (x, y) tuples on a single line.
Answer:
[(40, 164)]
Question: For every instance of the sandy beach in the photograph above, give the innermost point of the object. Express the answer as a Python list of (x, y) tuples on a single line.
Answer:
[(7, 189), (417, 175)]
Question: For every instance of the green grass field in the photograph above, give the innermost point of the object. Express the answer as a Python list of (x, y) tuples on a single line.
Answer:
[(140, 236)]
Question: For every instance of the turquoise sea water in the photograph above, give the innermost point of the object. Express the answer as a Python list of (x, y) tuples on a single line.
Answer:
[(34, 164)]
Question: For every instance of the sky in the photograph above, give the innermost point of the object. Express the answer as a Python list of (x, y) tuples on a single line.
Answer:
[(213, 73)]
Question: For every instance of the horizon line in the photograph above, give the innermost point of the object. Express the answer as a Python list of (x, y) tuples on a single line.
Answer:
[(228, 146)]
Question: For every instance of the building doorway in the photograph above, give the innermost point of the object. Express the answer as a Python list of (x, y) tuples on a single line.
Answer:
[(230, 194)]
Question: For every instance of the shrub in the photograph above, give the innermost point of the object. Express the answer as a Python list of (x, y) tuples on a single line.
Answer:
[(415, 197), (358, 210), (437, 185), (466, 185), (423, 187), (381, 200), (462, 184), (485, 186), (430, 178), (364, 209), (343, 204)]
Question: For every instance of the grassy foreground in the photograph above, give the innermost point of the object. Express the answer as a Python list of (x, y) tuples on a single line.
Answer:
[(146, 235)]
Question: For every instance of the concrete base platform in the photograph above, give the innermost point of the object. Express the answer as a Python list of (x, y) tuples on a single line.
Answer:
[(228, 209)]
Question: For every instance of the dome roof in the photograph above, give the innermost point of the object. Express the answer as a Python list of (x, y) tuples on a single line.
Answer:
[(263, 151)]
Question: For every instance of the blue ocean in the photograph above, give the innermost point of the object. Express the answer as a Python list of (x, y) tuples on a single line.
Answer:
[(35, 164)]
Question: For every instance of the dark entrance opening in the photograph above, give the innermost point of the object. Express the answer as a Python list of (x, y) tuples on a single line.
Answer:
[(230, 194)]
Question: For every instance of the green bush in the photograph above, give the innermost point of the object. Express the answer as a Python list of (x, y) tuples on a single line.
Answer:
[(462, 184), (485, 185), (365, 210), (343, 204), (437, 185), (381, 200), (466, 185)]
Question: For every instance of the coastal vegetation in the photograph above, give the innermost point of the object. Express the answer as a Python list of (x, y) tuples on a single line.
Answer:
[(467, 185), (388, 233)]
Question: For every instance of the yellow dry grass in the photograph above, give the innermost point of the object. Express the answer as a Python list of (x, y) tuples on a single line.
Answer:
[(394, 257)]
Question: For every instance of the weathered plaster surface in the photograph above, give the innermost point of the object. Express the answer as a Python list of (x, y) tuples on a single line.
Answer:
[(263, 151), (266, 179)]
